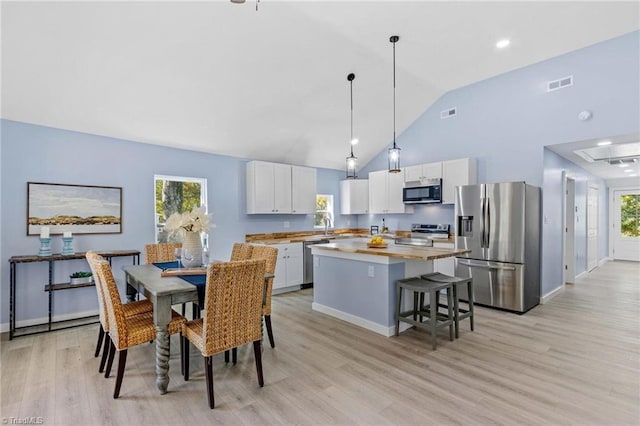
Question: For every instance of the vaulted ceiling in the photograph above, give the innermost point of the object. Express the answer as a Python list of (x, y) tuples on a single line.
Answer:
[(271, 84)]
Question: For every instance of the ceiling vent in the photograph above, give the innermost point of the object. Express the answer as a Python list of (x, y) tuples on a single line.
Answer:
[(447, 113), (622, 161), (560, 83)]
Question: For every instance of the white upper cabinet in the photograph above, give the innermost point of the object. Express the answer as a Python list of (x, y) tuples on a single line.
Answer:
[(422, 172), (354, 196), (456, 173), (385, 193), (303, 190), (280, 188)]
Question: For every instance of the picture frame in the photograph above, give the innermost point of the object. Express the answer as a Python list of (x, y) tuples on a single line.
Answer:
[(79, 209)]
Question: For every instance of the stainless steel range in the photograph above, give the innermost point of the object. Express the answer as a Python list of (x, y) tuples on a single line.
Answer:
[(423, 234)]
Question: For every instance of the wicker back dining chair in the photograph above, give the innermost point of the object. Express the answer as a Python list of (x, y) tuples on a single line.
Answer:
[(130, 309), (241, 251), (127, 331), (160, 252), (232, 316), (270, 255)]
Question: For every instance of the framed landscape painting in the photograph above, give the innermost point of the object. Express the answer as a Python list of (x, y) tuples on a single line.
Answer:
[(80, 209)]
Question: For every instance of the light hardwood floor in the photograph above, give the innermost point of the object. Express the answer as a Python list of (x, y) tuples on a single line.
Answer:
[(574, 360)]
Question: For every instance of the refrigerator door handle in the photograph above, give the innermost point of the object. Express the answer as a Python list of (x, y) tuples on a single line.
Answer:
[(487, 266), (482, 224), (488, 225)]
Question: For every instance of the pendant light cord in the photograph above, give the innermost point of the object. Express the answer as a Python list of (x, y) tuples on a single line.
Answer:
[(351, 141), (394, 94)]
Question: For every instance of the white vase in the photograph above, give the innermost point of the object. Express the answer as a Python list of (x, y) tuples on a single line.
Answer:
[(192, 250)]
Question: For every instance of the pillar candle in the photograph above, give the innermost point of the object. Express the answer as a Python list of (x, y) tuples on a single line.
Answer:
[(44, 232), (66, 234)]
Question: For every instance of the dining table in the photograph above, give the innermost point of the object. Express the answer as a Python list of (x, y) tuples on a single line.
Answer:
[(164, 292)]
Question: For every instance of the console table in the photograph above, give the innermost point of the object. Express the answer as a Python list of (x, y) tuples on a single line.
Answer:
[(51, 287)]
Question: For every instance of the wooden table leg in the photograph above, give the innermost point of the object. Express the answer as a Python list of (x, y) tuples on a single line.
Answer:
[(162, 358), (161, 318)]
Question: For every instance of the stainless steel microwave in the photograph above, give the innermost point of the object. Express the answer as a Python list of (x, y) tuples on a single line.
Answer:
[(423, 194)]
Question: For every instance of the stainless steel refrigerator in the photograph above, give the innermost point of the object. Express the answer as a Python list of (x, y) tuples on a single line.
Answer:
[(500, 224)]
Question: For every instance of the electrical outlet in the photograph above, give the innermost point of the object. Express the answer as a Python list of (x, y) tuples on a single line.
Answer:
[(286, 224), (371, 273)]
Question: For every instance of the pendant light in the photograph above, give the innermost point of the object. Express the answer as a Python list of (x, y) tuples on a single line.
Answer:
[(394, 152), (352, 160)]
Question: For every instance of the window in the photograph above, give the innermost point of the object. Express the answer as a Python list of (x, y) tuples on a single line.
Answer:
[(175, 194), (324, 209), (630, 215)]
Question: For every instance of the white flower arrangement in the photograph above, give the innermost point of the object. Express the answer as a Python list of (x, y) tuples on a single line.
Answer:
[(194, 221)]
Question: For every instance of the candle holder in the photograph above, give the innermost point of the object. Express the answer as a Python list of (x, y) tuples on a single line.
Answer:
[(67, 247), (45, 247)]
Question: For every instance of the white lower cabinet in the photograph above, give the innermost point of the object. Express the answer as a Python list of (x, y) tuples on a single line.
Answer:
[(289, 267), (446, 265)]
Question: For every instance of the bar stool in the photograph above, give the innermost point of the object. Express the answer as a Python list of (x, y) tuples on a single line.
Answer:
[(435, 319), (459, 313)]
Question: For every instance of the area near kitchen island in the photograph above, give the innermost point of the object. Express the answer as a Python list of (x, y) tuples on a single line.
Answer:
[(357, 284)]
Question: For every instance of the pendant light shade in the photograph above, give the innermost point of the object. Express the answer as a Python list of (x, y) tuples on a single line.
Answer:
[(394, 151), (352, 160)]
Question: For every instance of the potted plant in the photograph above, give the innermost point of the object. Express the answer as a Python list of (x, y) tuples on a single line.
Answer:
[(81, 278)]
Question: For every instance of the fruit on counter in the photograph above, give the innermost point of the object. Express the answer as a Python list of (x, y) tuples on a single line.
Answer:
[(376, 240)]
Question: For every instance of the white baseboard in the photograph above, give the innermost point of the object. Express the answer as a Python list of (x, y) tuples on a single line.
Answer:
[(553, 293), (4, 328), (581, 275), (604, 260), (360, 322)]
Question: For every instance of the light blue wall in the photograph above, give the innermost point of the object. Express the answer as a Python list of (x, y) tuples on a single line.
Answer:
[(506, 121), (40, 154)]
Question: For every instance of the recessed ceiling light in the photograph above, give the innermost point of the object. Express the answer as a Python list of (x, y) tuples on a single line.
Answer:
[(503, 43), (604, 143), (354, 141), (623, 165), (628, 170), (633, 175)]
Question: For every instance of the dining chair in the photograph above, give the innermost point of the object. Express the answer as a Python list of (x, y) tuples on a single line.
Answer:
[(160, 252), (232, 316), (241, 251), (270, 255), (130, 309), (124, 331)]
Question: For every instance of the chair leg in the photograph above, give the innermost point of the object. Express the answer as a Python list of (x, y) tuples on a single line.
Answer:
[(208, 371), (185, 358), (257, 351), (267, 321), (105, 352), (122, 361), (181, 355), (112, 352), (470, 295), (452, 315), (226, 357), (433, 301), (234, 356), (398, 306), (456, 309), (100, 339)]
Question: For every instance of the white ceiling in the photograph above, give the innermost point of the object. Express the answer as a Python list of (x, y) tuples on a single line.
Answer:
[(621, 145), (218, 77)]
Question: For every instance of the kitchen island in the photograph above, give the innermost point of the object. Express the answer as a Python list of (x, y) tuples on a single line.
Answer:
[(357, 284)]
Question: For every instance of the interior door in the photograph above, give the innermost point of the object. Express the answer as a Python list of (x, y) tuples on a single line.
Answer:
[(626, 227), (592, 228)]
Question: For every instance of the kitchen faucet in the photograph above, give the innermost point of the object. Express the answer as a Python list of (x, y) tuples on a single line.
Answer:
[(327, 223)]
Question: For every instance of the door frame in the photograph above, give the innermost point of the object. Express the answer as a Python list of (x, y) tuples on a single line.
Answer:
[(590, 187), (612, 214), (568, 229)]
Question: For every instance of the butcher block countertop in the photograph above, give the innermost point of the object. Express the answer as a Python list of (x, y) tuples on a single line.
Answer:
[(336, 234), (392, 250)]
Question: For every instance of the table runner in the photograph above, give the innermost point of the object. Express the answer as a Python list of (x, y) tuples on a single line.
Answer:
[(198, 280)]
